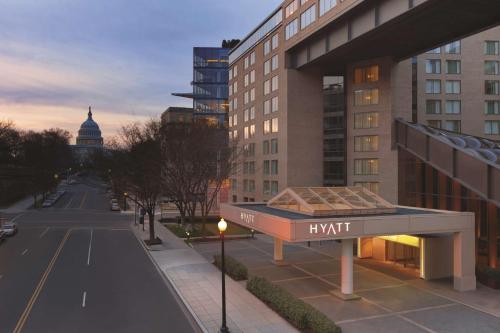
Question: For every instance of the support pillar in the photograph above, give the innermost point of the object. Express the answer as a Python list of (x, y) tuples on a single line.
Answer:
[(464, 261), (346, 280), (278, 252)]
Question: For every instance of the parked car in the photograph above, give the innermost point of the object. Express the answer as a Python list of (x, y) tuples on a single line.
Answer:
[(2, 236), (114, 206), (9, 229)]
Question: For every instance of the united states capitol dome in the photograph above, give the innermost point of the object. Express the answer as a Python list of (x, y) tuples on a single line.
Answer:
[(89, 133)]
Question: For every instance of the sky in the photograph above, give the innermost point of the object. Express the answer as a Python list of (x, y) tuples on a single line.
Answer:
[(122, 57)]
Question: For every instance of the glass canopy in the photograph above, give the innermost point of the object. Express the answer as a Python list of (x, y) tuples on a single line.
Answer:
[(326, 201)]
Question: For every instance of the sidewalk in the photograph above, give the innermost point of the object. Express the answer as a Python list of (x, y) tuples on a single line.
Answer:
[(198, 283), (19, 206)]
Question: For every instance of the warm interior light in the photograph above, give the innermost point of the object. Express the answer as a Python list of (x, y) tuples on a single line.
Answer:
[(222, 225), (403, 239)]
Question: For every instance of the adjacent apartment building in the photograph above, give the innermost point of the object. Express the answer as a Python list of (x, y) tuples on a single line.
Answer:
[(328, 127)]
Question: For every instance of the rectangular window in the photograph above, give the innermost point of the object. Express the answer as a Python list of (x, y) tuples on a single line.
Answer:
[(274, 63), (246, 80), (235, 87), (291, 29), (252, 58), (267, 47), (230, 90), (366, 74), (267, 87), (235, 104), (235, 120), (453, 107), (246, 97), (370, 186), (366, 143), (274, 104), (252, 131), (274, 167), (453, 67), (308, 17), (267, 107), (252, 76), (491, 87), (230, 121), (491, 67), (245, 115), (245, 132), (366, 97), (492, 107), (274, 187), (453, 48), (275, 41), (433, 106), (251, 186), (252, 113), (434, 123), (274, 83), (266, 168), (230, 73), (235, 134), (491, 47), (274, 146), (252, 94), (365, 167), (291, 8), (265, 147), (235, 71), (437, 50), (246, 62), (433, 86), (326, 5), (492, 127), (452, 125), (274, 125), (267, 67), (366, 120), (266, 187), (453, 87), (267, 126), (433, 66)]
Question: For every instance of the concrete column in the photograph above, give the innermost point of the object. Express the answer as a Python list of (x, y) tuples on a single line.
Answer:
[(278, 251), (347, 267), (365, 247), (464, 261)]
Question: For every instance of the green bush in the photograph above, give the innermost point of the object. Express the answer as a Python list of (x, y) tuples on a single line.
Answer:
[(298, 313), (236, 270)]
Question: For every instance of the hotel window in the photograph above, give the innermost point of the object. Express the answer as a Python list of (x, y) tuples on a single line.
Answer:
[(452, 125), (252, 94), (453, 87), (434, 123), (252, 131), (274, 187), (433, 106), (267, 106), (230, 135), (246, 80), (235, 120), (246, 62), (274, 83), (492, 127), (252, 113), (267, 87), (274, 146), (308, 17), (274, 125), (365, 120), (235, 87), (251, 186), (291, 29), (267, 126), (326, 5), (370, 186), (433, 86), (291, 8), (365, 97), (266, 187), (235, 71), (252, 76), (366, 143), (491, 87), (453, 67), (453, 107), (235, 104), (266, 168), (249, 150), (230, 90), (491, 67), (252, 58), (365, 167), (453, 48), (492, 107), (274, 104), (230, 73), (491, 47), (437, 50), (246, 97), (267, 47), (235, 134), (433, 66), (267, 67), (245, 115), (265, 147), (366, 74), (274, 63), (274, 167), (230, 121), (275, 41), (245, 132)]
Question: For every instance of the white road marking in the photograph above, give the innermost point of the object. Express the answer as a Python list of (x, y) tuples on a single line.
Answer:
[(69, 202), (84, 300), (44, 232), (90, 246), (15, 218), (24, 252)]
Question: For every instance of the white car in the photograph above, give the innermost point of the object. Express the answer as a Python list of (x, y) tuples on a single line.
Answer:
[(9, 229)]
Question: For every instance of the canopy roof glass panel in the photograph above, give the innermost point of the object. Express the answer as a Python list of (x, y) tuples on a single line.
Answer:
[(325, 201)]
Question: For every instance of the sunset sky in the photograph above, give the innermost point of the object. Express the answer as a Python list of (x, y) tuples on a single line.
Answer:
[(123, 57)]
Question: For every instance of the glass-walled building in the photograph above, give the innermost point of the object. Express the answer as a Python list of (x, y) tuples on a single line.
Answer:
[(210, 83)]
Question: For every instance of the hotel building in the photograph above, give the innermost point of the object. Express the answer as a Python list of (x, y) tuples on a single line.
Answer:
[(315, 91)]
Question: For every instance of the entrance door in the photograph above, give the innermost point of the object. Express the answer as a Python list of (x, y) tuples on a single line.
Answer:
[(406, 255)]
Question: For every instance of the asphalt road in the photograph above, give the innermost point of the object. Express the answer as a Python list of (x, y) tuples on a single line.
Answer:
[(77, 267)]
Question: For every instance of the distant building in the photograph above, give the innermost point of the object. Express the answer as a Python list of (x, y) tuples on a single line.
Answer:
[(177, 115), (89, 138), (210, 84)]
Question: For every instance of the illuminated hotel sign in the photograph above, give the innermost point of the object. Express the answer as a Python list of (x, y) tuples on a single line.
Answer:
[(328, 229), (247, 218)]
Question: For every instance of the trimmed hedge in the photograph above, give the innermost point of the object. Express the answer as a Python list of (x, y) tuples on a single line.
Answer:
[(300, 314), (236, 270)]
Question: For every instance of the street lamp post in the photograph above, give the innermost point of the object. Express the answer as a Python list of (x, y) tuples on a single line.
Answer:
[(125, 194), (222, 225)]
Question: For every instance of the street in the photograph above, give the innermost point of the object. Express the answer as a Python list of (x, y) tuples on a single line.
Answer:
[(77, 267)]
